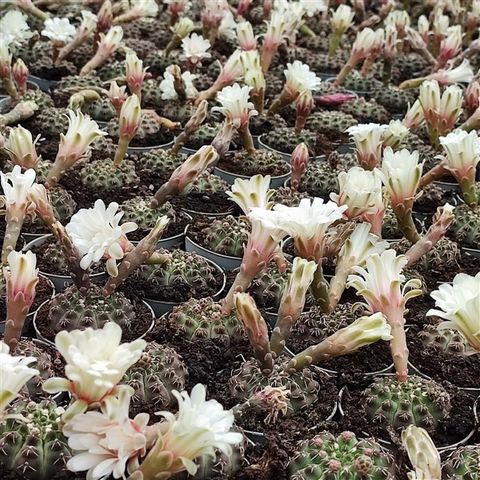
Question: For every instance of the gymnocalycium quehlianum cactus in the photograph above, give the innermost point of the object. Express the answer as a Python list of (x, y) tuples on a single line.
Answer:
[(382, 284)]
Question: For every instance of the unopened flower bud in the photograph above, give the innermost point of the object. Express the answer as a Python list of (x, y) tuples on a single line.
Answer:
[(299, 165), (20, 147), (245, 36), (20, 74)]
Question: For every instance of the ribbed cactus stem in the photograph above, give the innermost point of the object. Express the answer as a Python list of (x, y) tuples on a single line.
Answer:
[(17, 311), (136, 257), (434, 174), (398, 344), (22, 111), (346, 69), (403, 212), (334, 43), (14, 222)]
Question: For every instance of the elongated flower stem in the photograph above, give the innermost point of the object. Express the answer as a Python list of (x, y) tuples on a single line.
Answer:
[(21, 111), (17, 310), (398, 344), (405, 221), (121, 151), (9, 86), (14, 222), (347, 68), (436, 173), (319, 288), (282, 100), (334, 43), (247, 139), (337, 287), (97, 61)]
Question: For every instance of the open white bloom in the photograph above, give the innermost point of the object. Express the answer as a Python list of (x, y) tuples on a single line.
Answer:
[(254, 192), (394, 134), (183, 27), (414, 116), (5, 59), (195, 48), (167, 85), (96, 362), (368, 138), (21, 276), (300, 78), (16, 185), (201, 427), (452, 43), (235, 104), (342, 18), (58, 29), (423, 26), (312, 7), (14, 28), (441, 24), (422, 453), (228, 27), (96, 233), (459, 304), (462, 152), (253, 74), (145, 8), (14, 374), (107, 442), (360, 190), (403, 172), (463, 73), (89, 21), (367, 42)]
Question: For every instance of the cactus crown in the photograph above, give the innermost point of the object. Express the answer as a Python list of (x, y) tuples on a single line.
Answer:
[(417, 401), (366, 111), (285, 139), (203, 318), (207, 183), (138, 210), (463, 464), (35, 449), (446, 341), (101, 175), (70, 310), (342, 457), (261, 162), (227, 235), (162, 161), (466, 227)]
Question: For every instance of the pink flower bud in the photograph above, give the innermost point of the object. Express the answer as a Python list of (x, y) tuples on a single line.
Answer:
[(117, 96), (299, 164), (20, 74)]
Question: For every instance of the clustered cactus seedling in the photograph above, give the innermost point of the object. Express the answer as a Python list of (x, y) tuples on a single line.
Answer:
[(260, 162), (138, 210), (446, 341), (466, 227), (102, 176), (342, 457), (463, 464)]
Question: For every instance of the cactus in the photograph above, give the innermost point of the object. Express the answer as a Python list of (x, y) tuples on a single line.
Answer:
[(160, 162), (285, 140), (203, 318), (36, 449), (158, 371), (102, 176), (152, 96), (330, 120), (100, 110), (249, 380), (138, 210), (70, 310), (102, 147), (390, 228), (463, 464), (51, 122), (409, 66), (393, 99), (42, 99), (366, 111), (267, 289), (185, 271), (287, 196), (413, 142), (204, 135), (177, 111), (466, 227), (450, 342), (417, 401), (357, 83), (207, 183), (342, 457), (226, 235), (260, 124), (261, 162), (56, 258)]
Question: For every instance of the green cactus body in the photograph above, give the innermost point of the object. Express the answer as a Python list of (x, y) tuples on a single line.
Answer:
[(417, 401), (226, 235), (466, 227), (261, 162), (330, 120), (160, 161), (34, 449), (446, 341), (390, 227), (345, 457), (56, 258), (249, 379), (357, 83), (102, 176), (102, 147), (138, 210), (260, 124), (70, 310), (42, 99), (204, 135), (394, 99), (207, 183), (100, 110), (51, 122), (203, 318), (366, 111), (152, 96), (111, 70), (285, 140), (287, 196), (267, 289), (158, 371), (463, 464)]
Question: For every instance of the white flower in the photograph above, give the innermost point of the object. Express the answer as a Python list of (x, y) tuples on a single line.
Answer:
[(394, 134), (459, 304), (96, 233), (267, 221), (58, 29), (254, 192), (342, 18), (16, 185), (110, 42), (20, 147), (312, 7), (368, 138), (252, 70), (167, 85), (381, 279), (440, 24), (183, 27), (403, 172), (300, 78), (452, 43), (21, 276), (235, 104), (201, 427), (398, 19), (96, 362), (195, 48), (14, 28), (245, 36), (423, 26), (14, 374), (89, 21), (130, 117), (145, 8), (463, 73), (360, 190), (462, 151), (228, 26), (311, 218), (5, 57), (367, 42), (107, 442)]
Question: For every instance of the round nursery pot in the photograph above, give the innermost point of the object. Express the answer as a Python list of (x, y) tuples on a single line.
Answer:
[(140, 150), (475, 252), (60, 282), (448, 186), (226, 262), (344, 148), (50, 342), (42, 83), (275, 181), (161, 307), (209, 214)]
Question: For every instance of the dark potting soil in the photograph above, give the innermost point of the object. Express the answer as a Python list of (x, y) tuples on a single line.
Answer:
[(43, 292), (234, 163), (453, 429), (468, 264), (143, 319), (45, 263), (460, 370), (204, 203)]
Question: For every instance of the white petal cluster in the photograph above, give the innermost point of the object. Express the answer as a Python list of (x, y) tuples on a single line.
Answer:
[(459, 304), (14, 28), (437, 105), (58, 29), (195, 48), (167, 85), (251, 193), (97, 233), (462, 150), (89, 21), (368, 138), (367, 41), (145, 8), (201, 427), (300, 77), (228, 27), (107, 442), (394, 134), (342, 18), (21, 275), (235, 104), (14, 374), (16, 185), (463, 73)]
